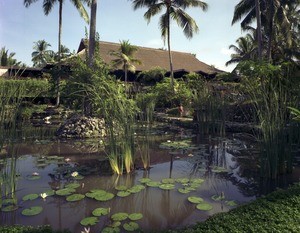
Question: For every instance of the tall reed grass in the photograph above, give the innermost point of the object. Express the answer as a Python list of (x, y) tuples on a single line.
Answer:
[(10, 102), (270, 89)]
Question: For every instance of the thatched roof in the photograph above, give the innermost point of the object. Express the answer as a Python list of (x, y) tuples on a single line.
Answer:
[(152, 58)]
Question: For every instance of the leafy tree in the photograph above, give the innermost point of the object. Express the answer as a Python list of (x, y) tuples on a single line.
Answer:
[(151, 77), (125, 57), (41, 54), (174, 9), (47, 7), (7, 59)]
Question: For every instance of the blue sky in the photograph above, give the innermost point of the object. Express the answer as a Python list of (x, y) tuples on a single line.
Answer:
[(20, 27)]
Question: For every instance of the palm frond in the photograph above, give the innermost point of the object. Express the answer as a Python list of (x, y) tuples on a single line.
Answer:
[(186, 22), (27, 3), (153, 10), (79, 6), (137, 4), (242, 9), (48, 5), (164, 25), (190, 3)]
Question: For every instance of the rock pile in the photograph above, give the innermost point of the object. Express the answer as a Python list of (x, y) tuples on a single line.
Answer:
[(82, 127)]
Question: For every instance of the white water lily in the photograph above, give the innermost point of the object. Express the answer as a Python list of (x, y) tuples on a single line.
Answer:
[(43, 195), (86, 230), (169, 141), (35, 174), (74, 174)]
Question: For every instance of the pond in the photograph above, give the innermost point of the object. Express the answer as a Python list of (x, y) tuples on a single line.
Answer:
[(190, 178)]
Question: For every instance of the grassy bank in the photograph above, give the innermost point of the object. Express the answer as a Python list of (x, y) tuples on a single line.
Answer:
[(277, 212)]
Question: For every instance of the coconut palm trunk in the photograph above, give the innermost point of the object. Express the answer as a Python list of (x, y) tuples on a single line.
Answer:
[(259, 35), (92, 36), (169, 50), (59, 54)]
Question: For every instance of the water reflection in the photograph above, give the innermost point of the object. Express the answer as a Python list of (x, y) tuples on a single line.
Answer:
[(227, 165)]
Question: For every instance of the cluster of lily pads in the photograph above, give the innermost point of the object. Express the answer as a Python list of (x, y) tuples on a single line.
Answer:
[(176, 145), (47, 160)]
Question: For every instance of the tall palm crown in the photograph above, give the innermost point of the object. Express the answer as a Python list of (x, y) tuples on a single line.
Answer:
[(125, 57), (48, 6), (174, 9), (41, 54), (244, 50), (275, 18)]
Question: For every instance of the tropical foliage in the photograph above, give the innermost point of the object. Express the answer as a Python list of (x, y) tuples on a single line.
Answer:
[(7, 59), (174, 10), (125, 58)]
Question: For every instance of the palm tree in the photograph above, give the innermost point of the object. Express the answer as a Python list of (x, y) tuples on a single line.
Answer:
[(174, 9), (125, 57), (92, 36), (244, 50), (47, 6), (7, 59), (41, 54)]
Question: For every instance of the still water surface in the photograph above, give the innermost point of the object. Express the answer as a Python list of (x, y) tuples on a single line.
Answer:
[(227, 165)]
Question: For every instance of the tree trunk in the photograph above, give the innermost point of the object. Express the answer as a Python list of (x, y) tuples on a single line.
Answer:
[(59, 53), (258, 29), (169, 50), (271, 21), (92, 35)]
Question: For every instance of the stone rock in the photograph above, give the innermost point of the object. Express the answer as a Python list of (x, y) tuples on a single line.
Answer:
[(82, 127)]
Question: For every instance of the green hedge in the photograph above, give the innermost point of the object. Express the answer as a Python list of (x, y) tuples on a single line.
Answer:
[(277, 212), (30, 229), (28, 87)]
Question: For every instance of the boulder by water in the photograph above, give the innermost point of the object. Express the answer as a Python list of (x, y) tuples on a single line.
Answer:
[(82, 127)]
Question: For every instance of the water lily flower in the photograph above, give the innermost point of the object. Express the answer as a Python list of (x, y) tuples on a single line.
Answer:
[(35, 173), (74, 174), (169, 141), (43, 195), (190, 155), (86, 230), (67, 159)]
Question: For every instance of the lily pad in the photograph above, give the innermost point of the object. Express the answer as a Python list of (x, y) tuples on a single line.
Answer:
[(182, 180), (9, 208), (136, 188), (168, 181), (135, 216), (72, 185), (94, 192), (35, 210), (123, 193), (50, 192), (9, 201), (30, 197), (121, 188), (167, 186), (184, 190), (89, 221), (33, 177), (144, 180), (197, 180), (204, 206), (231, 203), (75, 197), (153, 184), (65, 192), (195, 200), (119, 216), (104, 197), (100, 212), (111, 230), (131, 226), (115, 224)]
